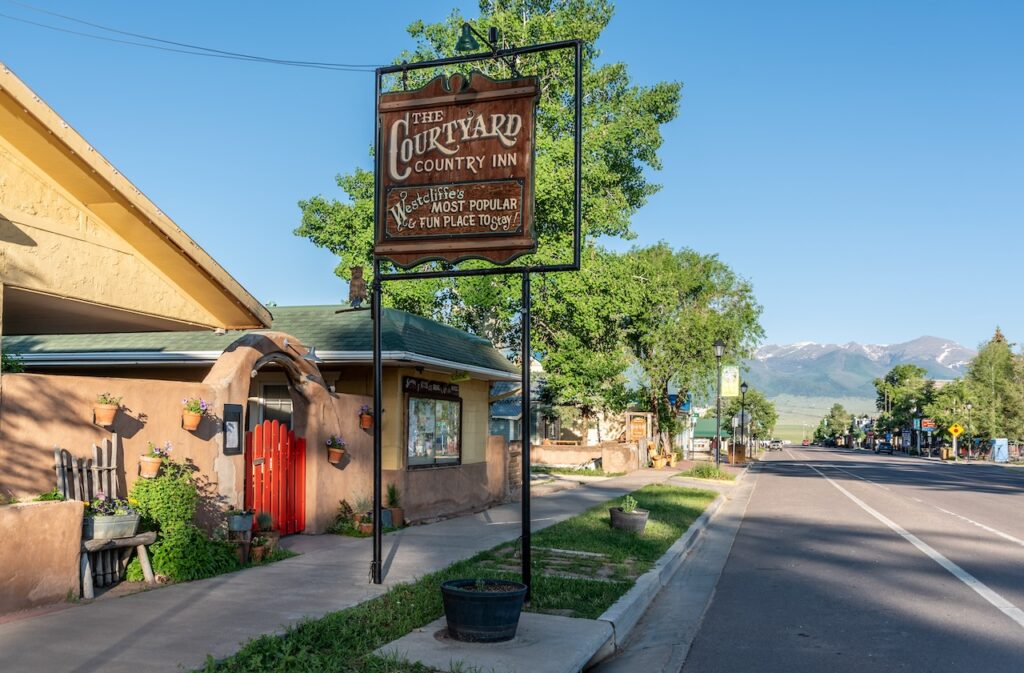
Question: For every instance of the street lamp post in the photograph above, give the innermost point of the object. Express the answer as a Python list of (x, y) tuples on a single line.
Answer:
[(719, 352), (743, 418)]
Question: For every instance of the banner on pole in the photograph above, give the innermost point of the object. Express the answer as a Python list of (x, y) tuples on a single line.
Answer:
[(730, 381)]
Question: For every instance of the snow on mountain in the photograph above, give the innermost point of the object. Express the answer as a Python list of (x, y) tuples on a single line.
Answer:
[(809, 368)]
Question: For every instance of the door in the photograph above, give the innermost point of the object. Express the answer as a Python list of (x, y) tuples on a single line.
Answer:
[(275, 461)]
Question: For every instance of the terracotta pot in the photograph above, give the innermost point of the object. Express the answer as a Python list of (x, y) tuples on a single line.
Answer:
[(190, 420), (397, 516), (272, 537), (103, 414), (149, 466), (335, 455), (366, 421), (366, 528), (256, 553)]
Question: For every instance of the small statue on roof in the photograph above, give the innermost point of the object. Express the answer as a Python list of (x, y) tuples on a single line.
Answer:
[(356, 288)]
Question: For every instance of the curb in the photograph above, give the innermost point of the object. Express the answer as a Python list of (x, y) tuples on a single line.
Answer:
[(624, 615)]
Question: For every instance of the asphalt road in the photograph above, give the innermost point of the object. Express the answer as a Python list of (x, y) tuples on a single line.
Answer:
[(851, 561)]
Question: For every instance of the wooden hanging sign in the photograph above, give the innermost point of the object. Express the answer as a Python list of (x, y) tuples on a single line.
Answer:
[(455, 169)]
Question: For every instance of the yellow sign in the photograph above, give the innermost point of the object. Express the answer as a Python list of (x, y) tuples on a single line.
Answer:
[(730, 381), (956, 429)]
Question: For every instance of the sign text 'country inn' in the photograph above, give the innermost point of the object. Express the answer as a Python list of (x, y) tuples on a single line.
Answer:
[(456, 170)]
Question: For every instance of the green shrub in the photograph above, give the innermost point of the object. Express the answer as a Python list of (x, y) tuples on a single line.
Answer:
[(708, 471), (184, 553), (54, 494), (171, 497)]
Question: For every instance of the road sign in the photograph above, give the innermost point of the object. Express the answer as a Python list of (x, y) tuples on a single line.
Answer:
[(928, 424), (956, 429)]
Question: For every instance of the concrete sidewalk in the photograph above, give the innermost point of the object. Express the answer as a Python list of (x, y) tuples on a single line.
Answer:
[(178, 626)]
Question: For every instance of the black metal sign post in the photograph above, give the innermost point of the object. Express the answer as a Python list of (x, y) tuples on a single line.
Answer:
[(379, 278)]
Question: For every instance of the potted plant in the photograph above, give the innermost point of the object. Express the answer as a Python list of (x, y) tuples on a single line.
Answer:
[(265, 522), (192, 411), (365, 417), (673, 458), (258, 548), (335, 449), (107, 518), (239, 520), (105, 409), (629, 517), (366, 523), (658, 461), (482, 610), (150, 462), (395, 505)]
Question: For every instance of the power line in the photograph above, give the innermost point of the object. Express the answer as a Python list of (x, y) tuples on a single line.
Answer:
[(194, 50)]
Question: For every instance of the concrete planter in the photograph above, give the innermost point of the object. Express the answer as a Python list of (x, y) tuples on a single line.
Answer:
[(238, 523), (634, 521), (109, 527), (482, 611)]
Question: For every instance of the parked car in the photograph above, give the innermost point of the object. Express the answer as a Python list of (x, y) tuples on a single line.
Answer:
[(883, 447), (775, 445)]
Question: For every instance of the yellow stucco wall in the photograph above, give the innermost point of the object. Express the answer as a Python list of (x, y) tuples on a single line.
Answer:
[(475, 411), (52, 243)]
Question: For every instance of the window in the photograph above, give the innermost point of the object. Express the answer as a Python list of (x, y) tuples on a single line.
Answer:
[(277, 404), (435, 431)]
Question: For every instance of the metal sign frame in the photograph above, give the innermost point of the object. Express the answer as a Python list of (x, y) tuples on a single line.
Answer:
[(379, 278)]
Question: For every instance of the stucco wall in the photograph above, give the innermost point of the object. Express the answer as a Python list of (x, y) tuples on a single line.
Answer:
[(39, 553), (42, 411), (39, 411), (614, 457), (47, 232)]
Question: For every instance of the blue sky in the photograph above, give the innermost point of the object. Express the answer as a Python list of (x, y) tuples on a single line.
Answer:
[(861, 163)]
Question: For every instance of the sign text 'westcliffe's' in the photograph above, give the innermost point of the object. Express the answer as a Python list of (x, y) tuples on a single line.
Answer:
[(456, 171)]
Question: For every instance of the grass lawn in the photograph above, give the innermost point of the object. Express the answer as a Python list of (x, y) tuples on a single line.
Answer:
[(566, 559)]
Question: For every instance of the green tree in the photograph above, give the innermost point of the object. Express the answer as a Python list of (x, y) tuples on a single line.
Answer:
[(834, 425), (902, 390), (677, 304), (761, 411), (995, 385), (621, 140)]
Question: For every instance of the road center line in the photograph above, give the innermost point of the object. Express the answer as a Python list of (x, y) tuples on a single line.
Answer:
[(997, 601), (1000, 533)]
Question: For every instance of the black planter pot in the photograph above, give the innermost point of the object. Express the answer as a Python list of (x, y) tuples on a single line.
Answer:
[(487, 615), (634, 521)]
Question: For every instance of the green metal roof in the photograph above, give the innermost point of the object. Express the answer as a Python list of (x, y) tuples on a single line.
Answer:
[(345, 336), (704, 428)]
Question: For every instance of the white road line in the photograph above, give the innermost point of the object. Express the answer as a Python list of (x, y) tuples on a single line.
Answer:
[(863, 479), (984, 527), (1000, 533), (1000, 603)]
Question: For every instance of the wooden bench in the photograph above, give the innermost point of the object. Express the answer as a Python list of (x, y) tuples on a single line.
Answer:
[(125, 545)]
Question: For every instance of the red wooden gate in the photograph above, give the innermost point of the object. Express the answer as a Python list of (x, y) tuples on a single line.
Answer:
[(275, 461)]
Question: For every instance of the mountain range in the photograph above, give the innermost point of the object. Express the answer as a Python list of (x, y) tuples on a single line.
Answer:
[(847, 370)]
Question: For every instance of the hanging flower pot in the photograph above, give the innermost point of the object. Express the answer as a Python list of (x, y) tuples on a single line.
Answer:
[(193, 409), (335, 449), (366, 421), (105, 409), (149, 466)]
